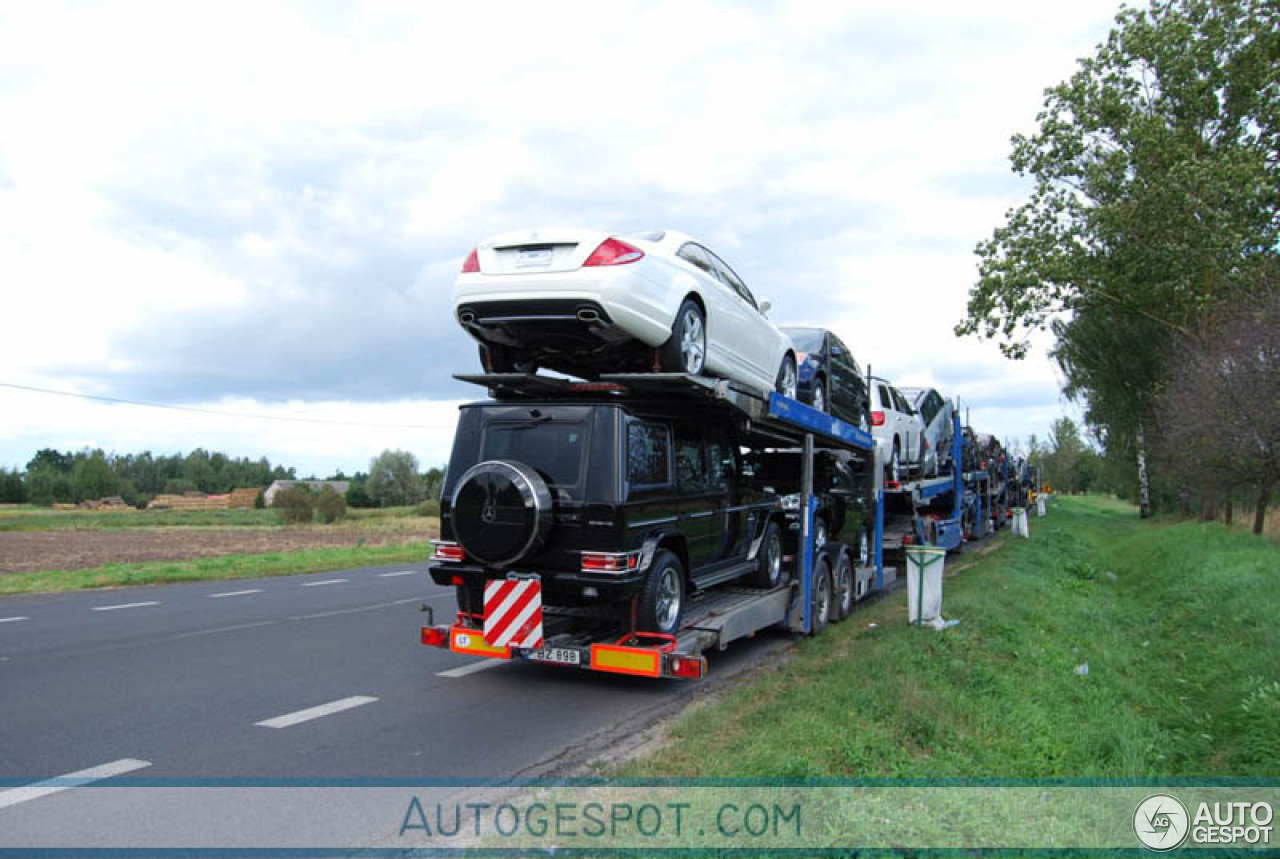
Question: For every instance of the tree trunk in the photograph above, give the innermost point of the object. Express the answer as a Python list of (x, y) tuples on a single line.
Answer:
[(1260, 513), (1228, 512), (1144, 482), (1208, 505)]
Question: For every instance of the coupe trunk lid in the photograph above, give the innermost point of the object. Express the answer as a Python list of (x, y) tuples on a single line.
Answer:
[(539, 251)]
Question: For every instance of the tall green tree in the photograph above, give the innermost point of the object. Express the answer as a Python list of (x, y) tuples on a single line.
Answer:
[(393, 479), (1155, 199)]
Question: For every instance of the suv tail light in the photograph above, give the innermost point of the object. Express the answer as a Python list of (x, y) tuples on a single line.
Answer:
[(877, 419), (472, 263), (613, 252), (448, 551), (610, 562)]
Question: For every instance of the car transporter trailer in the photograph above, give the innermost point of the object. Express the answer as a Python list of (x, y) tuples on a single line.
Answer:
[(943, 511)]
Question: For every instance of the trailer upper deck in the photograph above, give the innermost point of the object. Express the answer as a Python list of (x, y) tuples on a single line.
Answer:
[(767, 417)]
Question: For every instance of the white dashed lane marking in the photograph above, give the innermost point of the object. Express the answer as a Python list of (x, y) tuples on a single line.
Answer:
[(470, 668), (310, 713), (325, 582), (125, 605), (70, 781), (12, 619), (397, 573), (235, 593)]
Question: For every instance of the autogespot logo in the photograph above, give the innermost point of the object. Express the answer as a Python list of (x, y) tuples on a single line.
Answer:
[(1160, 822)]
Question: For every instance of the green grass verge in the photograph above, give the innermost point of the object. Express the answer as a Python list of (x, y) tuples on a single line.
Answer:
[(223, 567), (1176, 620), (44, 519)]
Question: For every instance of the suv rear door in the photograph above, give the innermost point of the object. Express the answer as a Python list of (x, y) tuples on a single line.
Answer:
[(702, 501)]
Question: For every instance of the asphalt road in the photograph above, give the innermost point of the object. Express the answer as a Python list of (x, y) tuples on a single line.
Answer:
[(310, 677)]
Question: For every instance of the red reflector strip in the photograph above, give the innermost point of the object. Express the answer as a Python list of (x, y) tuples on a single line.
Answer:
[(463, 640), (640, 661), (597, 387)]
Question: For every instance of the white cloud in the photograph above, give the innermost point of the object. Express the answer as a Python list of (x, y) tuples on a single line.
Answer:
[(178, 180)]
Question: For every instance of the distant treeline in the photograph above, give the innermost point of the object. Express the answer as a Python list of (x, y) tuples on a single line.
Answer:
[(53, 476)]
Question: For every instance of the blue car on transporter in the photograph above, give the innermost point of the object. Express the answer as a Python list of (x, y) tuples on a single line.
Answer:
[(829, 378)]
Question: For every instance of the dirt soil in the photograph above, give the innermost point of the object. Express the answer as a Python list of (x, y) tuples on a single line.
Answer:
[(22, 551)]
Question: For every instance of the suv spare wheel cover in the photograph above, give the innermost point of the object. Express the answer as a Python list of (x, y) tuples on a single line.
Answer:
[(501, 511)]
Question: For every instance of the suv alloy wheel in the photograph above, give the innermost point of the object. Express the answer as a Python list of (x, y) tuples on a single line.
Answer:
[(662, 599)]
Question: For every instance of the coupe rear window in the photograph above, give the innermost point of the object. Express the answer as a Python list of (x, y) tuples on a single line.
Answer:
[(556, 447)]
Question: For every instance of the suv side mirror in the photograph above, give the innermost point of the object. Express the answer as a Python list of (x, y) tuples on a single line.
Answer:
[(765, 304)]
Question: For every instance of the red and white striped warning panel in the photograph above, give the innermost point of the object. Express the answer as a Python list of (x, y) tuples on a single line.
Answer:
[(513, 613)]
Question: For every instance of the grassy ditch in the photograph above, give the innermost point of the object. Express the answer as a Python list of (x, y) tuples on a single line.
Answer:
[(222, 567), (1175, 620)]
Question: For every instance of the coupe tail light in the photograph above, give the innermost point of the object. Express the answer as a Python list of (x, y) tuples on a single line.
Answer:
[(877, 419), (448, 551), (435, 636), (610, 562), (472, 264), (613, 252)]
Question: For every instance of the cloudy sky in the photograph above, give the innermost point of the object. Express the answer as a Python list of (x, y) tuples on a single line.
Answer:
[(256, 211)]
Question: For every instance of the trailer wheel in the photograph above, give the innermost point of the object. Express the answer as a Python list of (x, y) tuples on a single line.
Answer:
[(770, 570), (820, 532), (820, 606), (842, 585), (662, 597), (865, 555)]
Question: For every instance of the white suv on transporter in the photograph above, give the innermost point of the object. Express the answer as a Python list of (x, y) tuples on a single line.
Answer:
[(584, 302)]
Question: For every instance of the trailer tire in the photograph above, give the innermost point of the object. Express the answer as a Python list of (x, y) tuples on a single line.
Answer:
[(821, 533), (770, 570), (820, 603), (842, 585), (662, 595)]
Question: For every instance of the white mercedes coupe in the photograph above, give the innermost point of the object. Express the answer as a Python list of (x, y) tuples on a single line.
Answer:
[(584, 303)]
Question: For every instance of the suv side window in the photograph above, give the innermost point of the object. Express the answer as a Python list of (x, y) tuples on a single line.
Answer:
[(886, 401), (928, 407), (691, 463), (648, 454), (900, 403), (722, 467)]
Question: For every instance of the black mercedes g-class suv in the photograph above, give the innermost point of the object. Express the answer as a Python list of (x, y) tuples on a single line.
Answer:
[(626, 507)]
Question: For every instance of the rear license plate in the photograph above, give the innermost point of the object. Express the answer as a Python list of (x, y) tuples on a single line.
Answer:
[(533, 257), (559, 655)]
